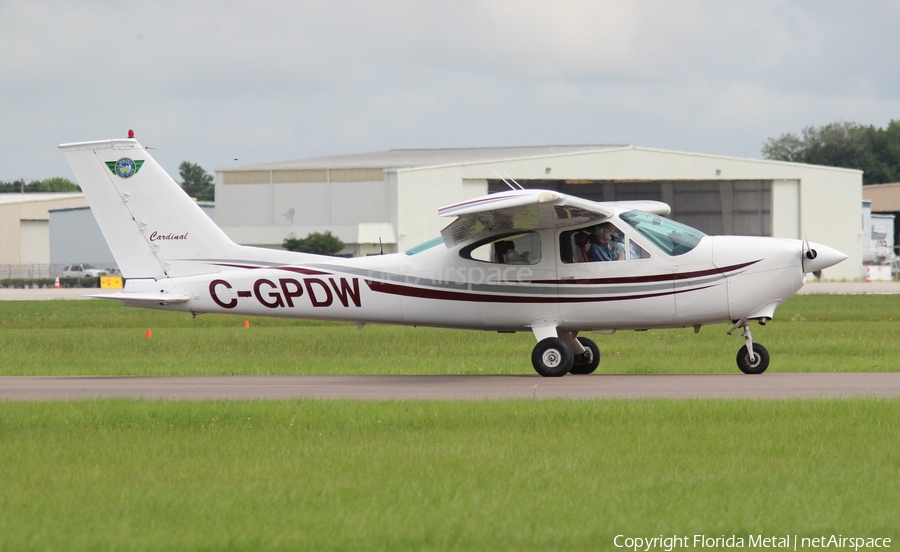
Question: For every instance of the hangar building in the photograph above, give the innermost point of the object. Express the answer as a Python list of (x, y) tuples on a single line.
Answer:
[(25, 231), (885, 199), (392, 197), (75, 237)]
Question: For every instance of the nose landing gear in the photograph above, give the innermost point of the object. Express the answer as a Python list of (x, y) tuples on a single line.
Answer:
[(752, 358)]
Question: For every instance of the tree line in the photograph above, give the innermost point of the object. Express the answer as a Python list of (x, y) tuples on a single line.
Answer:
[(49, 185), (194, 180), (873, 150), (316, 242)]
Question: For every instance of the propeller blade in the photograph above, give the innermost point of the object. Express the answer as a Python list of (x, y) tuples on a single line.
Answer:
[(807, 252)]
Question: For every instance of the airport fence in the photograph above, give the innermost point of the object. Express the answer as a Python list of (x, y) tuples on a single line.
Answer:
[(43, 276), (15, 271)]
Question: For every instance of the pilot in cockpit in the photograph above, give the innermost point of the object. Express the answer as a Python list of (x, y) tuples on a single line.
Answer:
[(603, 246)]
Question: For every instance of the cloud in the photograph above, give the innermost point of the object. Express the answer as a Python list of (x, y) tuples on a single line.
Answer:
[(214, 81)]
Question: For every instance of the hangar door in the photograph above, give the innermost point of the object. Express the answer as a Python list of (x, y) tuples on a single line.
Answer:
[(739, 207), (715, 207), (34, 242)]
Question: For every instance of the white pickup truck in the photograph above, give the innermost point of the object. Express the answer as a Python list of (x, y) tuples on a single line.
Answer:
[(82, 271)]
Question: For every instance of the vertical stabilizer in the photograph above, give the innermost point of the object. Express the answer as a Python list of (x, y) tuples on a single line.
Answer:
[(153, 228)]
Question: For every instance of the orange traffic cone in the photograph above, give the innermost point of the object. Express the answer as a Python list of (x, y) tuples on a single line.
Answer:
[(246, 323), (148, 334), (56, 283)]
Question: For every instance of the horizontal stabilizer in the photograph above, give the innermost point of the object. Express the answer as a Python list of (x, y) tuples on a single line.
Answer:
[(144, 298)]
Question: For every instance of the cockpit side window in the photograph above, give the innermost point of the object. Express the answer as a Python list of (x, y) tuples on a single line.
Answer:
[(589, 244), (673, 238), (522, 249), (635, 251)]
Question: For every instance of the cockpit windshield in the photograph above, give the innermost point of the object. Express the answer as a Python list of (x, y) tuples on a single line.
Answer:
[(671, 237)]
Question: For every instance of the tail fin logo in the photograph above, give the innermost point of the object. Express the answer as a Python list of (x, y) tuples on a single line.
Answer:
[(125, 167)]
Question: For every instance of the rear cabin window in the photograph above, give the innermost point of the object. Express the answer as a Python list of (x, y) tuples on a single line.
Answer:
[(520, 249)]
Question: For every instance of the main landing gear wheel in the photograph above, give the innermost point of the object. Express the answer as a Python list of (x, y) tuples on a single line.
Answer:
[(552, 357), (755, 365), (588, 361)]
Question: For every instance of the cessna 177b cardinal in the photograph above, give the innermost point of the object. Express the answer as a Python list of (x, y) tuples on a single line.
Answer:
[(523, 260)]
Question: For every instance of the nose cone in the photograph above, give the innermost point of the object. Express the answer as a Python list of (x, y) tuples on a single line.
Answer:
[(823, 257)]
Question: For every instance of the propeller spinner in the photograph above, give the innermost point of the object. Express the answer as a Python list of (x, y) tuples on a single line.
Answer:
[(816, 257)]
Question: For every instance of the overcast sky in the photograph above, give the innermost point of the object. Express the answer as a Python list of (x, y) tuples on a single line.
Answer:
[(225, 83)]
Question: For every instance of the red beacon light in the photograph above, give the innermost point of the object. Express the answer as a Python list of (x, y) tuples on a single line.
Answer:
[(130, 133)]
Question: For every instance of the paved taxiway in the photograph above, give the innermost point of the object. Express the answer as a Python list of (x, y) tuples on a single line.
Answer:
[(475, 387)]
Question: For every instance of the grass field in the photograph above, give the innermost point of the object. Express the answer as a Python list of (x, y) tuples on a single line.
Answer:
[(434, 475), (809, 334), (493, 475)]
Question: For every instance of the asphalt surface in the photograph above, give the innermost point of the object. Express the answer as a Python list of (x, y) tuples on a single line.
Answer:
[(476, 387), (45, 294)]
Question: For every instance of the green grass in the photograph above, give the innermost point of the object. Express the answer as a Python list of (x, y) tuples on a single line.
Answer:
[(492, 475), (434, 475), (809, 334)]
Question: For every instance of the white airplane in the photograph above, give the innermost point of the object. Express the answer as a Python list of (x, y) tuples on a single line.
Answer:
[(518, 261)]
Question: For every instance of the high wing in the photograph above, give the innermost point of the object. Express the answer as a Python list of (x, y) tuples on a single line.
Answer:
[(530, 210)]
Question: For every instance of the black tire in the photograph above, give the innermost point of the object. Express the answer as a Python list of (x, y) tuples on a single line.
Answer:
[(589, 361), (552, 357), (755, 365)]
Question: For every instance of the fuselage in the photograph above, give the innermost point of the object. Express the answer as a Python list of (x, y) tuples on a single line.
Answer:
[(655, 285)]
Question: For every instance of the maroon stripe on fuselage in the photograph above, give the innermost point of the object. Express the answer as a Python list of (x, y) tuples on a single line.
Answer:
[(646, 279), (248, 267), (297, 269), (301, 270), (445, 295)]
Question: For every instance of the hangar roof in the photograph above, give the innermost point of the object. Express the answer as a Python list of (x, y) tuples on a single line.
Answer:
[(419, 158), (407, 158), (32, 198)]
